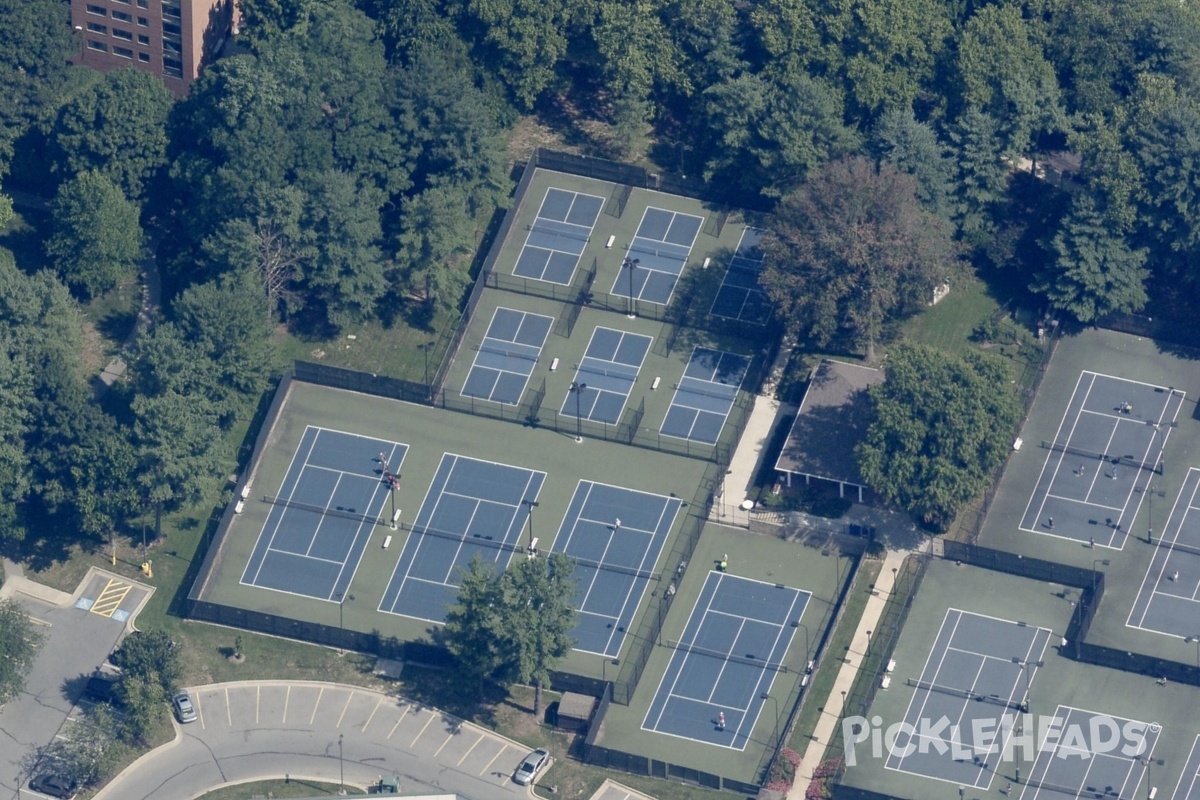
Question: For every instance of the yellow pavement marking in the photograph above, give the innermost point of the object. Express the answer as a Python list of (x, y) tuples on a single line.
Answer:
[(228, 708), (199, 710), (316, 705), (448, 738), (42, 622), (111, 597), (469, 750), (367, 724), (423, 727), (397, 725), (257, 702), (342, 715), (287, 698), (493, 761)]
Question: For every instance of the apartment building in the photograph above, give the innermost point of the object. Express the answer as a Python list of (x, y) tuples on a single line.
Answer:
[(173, 39)]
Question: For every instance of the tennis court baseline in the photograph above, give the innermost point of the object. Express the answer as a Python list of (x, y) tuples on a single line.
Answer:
[(313, 549), (1188, 787), (616, 535), (605, 375), (507, 355), (1168, 601), (1063, 769), (739, 296), (979, 670), (657, 255), (705, 395), (734, 644), (473, 507), (558, 235), (1102, 459)]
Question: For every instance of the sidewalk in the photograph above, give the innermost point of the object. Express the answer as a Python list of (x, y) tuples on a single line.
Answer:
[(831, 717)]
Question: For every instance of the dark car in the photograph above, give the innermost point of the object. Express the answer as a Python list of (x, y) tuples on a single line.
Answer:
[(54, 784)]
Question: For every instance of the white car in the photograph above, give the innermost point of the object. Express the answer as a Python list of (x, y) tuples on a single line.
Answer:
[(184, 709), (534, 763)]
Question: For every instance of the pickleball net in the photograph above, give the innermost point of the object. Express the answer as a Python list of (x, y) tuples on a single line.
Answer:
[(746, 659), (327, 511), (967, 694), (1125, 460)]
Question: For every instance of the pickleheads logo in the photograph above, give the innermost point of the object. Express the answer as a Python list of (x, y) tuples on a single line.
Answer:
[(1004, 735)]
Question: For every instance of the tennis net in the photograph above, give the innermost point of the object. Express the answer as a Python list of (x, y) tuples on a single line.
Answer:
[(287, 502), (1177, 545), (746, 659), (624, 374), (691, 387), (967, 694), (610, 567), (566, 234), (490, 346), (1127, 461), (673, 255), (1078, 791)]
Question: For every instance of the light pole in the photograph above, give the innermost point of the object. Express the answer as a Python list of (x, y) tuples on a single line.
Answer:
[(807, 649), (1096, 561), (1150, 495), (393, 485), (341, 767), (631, 264), (1195, 639), (1025, 665), (843, 702), (1148, 762), (775, 730), (868, 644), (578, 388), (531, 505)]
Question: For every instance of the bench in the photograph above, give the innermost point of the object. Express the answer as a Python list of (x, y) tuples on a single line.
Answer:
[(240, 505), (654, 385), (891, 665), (886, 682), (707, 261), (554, 365), (387, 541), (611, 240)]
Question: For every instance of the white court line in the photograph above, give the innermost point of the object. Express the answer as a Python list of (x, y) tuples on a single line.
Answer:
[(1087, 503), (1191, 793), (1150, 568), (1050, 454)]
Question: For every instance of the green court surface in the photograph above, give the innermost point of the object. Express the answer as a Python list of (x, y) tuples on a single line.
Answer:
[(759, 557), (1059, 682), (428, 432), (1136, 359)]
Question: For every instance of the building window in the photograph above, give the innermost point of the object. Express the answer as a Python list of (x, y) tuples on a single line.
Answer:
[(144, 58), (169, 28), (123, 52), (96, 27), (121, 15), (172, 68), (118, 33), (99, 11), (172, 47), (143, 4), (171, 13), (94, 45), (143, 39), (122, 2), (143, 22)]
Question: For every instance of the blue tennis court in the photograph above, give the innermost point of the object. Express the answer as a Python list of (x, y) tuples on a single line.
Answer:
[(733, 645), (605, 376), (473, 507), (1168, 601), (557, 237), (657, 255), (740, 296), (616, 536), (507, 355), (333, 494), (1092, 754), (705, 395)]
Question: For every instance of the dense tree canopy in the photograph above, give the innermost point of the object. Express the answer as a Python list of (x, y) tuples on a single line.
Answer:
[(941, 425), (97, 239), (19, 644)]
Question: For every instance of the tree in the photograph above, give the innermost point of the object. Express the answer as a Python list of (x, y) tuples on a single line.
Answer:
[(474, 630), (536, 601), (151, 655), (1095, 270), (118, 127), (983, 174), (19, 644), (913, 147), (521, 40), (227, 321), (852, 249), (97, 238), (141, 698), (941, 426)]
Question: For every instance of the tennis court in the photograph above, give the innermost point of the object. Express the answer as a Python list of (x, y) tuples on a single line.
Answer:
[(507, 355), (1091, 754), (979, 670), (1169, 599), (605, 375), (558, 235), (704, 396), (739, 296), (1106, 451), (657, 255), (1188, 787), (473, 507), (734, 643), (616, 536), (333, 494)]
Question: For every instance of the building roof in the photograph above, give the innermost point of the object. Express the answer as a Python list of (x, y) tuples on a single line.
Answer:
[(832, 419), (576, 706)]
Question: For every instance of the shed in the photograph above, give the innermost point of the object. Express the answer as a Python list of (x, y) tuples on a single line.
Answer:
[(575, 711)]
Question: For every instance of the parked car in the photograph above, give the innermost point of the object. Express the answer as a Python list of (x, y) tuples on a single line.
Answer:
[(54, 784), (533, 764), (184, 710)]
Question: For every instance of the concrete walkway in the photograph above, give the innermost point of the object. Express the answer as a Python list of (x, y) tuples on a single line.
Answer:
[(831, 716)]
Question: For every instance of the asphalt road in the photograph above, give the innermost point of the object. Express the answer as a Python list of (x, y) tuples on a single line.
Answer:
[(320, 731)]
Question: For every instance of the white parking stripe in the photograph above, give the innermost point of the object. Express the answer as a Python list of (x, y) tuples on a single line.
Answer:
[(397, 725)]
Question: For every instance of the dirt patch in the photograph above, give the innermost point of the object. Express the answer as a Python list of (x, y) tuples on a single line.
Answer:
[(529, 134), (94, 355)]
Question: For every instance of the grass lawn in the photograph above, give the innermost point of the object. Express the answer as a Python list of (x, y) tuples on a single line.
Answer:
[(948, 325), (263, 789)]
